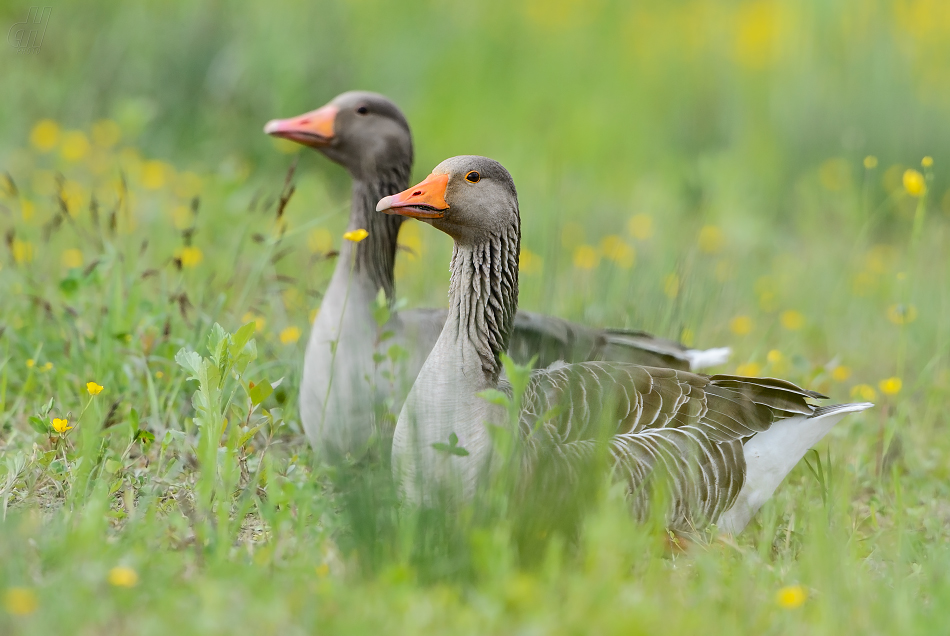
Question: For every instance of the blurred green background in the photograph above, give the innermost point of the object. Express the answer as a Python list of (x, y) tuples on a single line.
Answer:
[(765, 174)]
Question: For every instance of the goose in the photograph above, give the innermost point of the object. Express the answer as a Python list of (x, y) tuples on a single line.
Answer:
[(344, 392), (721, 444)]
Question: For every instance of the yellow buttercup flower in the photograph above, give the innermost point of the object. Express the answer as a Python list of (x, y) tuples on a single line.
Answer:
[(123, 576), (529, 262), (792, 320), (259, 321), (48, 366), (740, 325), (356, 235), (71, 258), (617, 250), (20, 601), (870, 162), (671, 285), (106, 133), (22, 252), (914, 183), (30, 362), (320, 241), (93, 388), (61, 425), (75, 146), (586, 257), (290, 335), (640, 226), (711, 239), (45, 135), (840, 373), (154, 174), (791, 596), (890, 386), (864, 392), (927, 162), (189, 256), (749, 369)]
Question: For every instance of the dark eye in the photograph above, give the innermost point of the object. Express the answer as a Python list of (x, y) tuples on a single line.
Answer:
[(472, 177), (362, 110)]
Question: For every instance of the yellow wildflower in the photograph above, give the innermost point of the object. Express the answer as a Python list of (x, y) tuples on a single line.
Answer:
[(320, 241), (30, 363), (20, 601), (775, 356), (71, 258), (61, 425), (711, 239), (189, 256), (864, 392), (792, 320), (585, 257), (182, 217), (123, 576), (159, 375), (93, 388), (22, 252), (617, 250), (640, 226), (740, 325), (48, 366), (27, 210), (356, 235), (529, 262), (687, 336), (890, 386), (749, 369), (106, 133), (671, 285), (259, 321), (927, 162), (791, 596), (870, 162), (914, 183), (154, 174), (901, 314), (290, 335), (45, 135), (840, 373), (75, 146)]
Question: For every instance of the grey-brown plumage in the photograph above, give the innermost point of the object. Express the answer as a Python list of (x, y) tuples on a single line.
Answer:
[(342, 390), (718, 446)]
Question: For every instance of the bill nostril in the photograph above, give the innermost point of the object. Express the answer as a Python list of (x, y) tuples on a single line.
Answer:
[(304, 121), (417, 193)]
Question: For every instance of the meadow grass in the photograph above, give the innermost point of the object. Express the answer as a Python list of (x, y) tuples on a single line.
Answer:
[(748, 174)]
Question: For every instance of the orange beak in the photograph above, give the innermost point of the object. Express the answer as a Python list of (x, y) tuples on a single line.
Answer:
[(312, 129), (423, 201)]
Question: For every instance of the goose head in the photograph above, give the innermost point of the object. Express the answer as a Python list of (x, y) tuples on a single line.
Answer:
[(470, 198), (363, 132)]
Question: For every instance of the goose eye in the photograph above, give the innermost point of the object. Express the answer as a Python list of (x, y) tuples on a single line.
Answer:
[(472, 177), (362, 110)]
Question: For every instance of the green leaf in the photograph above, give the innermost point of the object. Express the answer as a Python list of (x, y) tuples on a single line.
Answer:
[(144, 437), (495, 396), (190, 361), (260, 392), (134, 423), (241, 337), (40, 426), (44, 412)]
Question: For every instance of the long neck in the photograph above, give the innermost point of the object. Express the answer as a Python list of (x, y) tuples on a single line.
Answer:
[(376, 254), (483, 299)]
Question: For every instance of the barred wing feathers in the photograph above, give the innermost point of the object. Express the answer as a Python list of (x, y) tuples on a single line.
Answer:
[(665, 427)]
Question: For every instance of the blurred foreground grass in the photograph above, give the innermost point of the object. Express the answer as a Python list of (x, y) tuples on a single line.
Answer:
[(742, 173)]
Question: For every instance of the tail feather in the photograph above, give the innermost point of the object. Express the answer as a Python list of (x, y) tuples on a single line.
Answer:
[(771, 455), (695, 359)]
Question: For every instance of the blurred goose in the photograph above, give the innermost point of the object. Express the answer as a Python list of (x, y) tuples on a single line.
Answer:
[(342, 391), (720, 444)]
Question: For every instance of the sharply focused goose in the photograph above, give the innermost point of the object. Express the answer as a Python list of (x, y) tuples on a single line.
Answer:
[(343, 392), (721, 444)]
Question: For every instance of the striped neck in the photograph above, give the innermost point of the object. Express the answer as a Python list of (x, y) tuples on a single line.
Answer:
[(483, 297)]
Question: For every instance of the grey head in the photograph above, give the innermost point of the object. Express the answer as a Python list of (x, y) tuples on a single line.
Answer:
[(470, 198), (364, 132)]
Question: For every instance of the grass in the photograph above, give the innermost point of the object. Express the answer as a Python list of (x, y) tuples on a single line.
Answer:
[(700, 170)]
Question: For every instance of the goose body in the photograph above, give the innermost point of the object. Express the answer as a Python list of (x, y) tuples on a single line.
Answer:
[(720, 444), (345, 389)]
